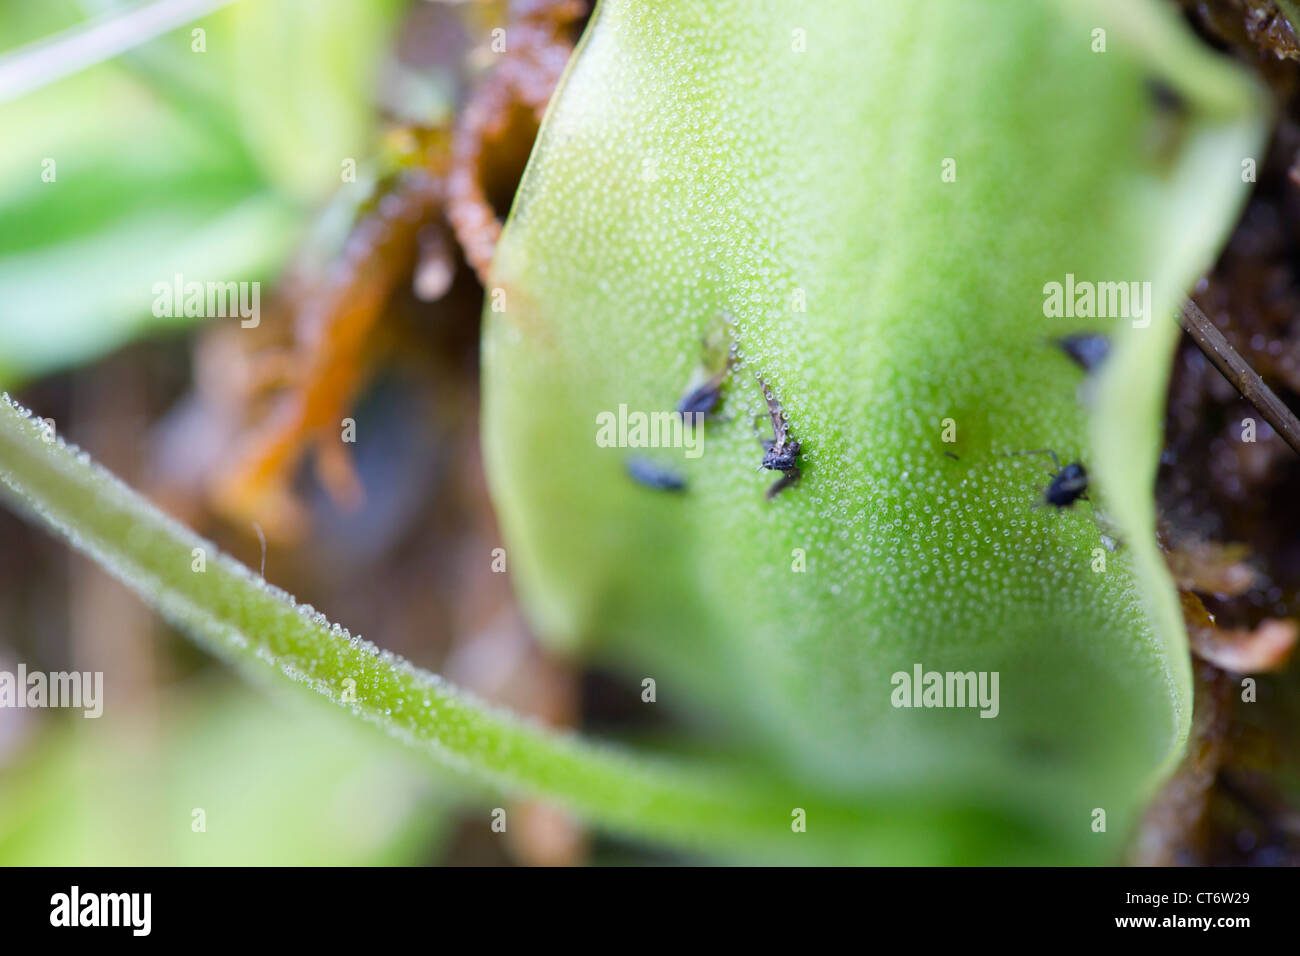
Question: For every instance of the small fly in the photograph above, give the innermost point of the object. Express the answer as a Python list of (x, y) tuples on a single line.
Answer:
[(646, 473), (1086, 349), (704, 391), (781, 452), (1169, 122), (703, 398), (1068, 485)]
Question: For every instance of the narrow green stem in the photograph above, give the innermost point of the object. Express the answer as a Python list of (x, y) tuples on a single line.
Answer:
[(236, 615)]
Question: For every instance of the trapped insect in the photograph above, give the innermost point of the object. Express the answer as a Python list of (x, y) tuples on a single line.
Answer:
[(704, 398), (647, 473), (1069, 484), (704, 392), (1086, 349), (781, 452)]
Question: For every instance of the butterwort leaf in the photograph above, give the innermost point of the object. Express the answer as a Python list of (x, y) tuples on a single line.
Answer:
[(885, 204)]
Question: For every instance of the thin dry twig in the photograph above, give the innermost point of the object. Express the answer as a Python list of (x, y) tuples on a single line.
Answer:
[(1238, 371)]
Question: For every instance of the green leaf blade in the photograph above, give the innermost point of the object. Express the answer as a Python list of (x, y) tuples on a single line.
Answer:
[(695, 164)]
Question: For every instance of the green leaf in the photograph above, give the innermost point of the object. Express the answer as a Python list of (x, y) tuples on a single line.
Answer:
[(299, 74), (696, 164), (277, 785), (174, 160)]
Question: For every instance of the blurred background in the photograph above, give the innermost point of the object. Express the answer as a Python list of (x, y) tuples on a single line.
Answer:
[(341, 155), (355, 160)]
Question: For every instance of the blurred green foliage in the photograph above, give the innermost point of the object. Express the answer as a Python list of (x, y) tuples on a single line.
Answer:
[(279, 782), (168, 160)]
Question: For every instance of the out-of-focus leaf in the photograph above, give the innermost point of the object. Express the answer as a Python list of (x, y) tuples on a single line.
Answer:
[(300, 76), (277, 785), (170, 160)]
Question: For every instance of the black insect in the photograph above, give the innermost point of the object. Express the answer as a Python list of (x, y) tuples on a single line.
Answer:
[(646, 472), (705, 390), (704, 398), (1166, 98), (1068, 485), (1086, 349), (781, 452), (1169, 122)]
